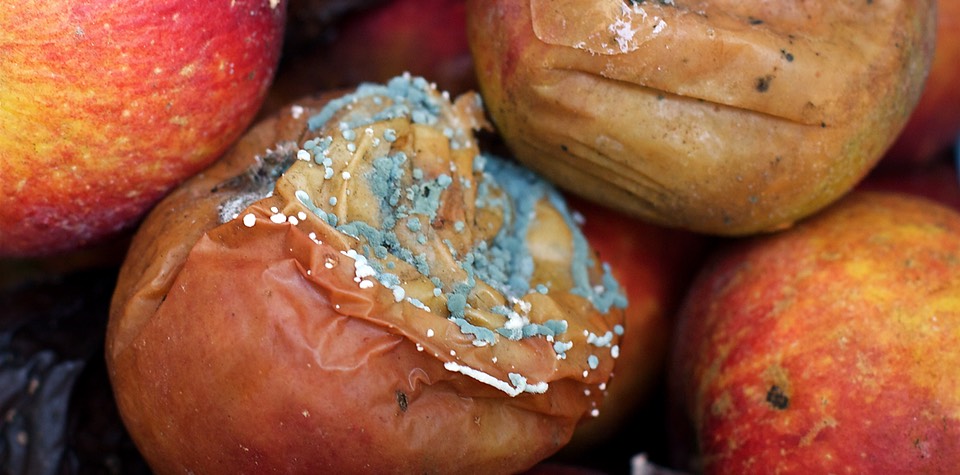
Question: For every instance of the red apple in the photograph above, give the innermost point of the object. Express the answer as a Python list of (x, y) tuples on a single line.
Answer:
[(830, 347), (423, 37), (105, 106), (935, 124), (654, 266)]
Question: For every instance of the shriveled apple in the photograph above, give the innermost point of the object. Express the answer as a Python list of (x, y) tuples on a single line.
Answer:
[(104, 106), (356, 287), (724, 117), (827, 348)]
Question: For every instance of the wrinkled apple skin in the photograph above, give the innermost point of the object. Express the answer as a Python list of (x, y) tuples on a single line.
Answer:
[(104, 106), (935, 123), (828, 348), (720, 117)]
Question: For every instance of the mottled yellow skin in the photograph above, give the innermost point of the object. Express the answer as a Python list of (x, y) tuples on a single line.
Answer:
[(105, 105), (828, 348)]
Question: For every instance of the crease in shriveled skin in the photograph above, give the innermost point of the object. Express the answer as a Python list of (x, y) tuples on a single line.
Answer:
[(679, 38), (688, 133)]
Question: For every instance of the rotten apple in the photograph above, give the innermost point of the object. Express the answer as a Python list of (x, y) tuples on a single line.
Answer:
[(355, 286), (105, 106), (722, 117), (827, 348)]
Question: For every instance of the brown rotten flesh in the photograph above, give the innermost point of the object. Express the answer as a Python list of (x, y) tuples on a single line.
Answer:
[(355, 286), (723, 117)]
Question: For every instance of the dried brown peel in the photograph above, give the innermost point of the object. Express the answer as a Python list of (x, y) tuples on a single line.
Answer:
[(367, 294), (723, 117)]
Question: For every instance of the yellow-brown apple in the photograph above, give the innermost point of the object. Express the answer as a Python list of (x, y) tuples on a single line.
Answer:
[(724, 116), (827, 348), (935, 124), (104, 106)]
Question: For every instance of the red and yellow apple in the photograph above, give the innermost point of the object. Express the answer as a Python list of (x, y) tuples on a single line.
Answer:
[(831, 347), (105, 106), (935, 124)]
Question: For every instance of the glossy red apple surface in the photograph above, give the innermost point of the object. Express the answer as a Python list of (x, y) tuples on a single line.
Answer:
[(827, 348), (104, 106)]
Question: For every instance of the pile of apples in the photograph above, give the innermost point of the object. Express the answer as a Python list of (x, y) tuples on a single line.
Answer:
[(828, 346)]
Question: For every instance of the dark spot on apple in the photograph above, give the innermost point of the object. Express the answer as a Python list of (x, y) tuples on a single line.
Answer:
[(763, 83), (777, 398), (402, 400), (564, 148)]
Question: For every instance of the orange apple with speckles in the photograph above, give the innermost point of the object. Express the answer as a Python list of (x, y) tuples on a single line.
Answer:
[(105, 106), (827, 348)]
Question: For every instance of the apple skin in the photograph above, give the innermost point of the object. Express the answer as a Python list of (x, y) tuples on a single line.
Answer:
[(669, 123), (105, 106), (654, 266), (934, 125), (827, 348)]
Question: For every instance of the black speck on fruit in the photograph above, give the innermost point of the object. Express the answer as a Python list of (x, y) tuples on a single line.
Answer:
[(763, 83), (777, 398)]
